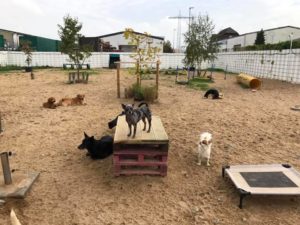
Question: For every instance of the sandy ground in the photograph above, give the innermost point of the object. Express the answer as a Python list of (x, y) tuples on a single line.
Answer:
[(247, 127)]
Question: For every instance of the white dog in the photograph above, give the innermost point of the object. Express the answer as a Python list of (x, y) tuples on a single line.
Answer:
[(204, 147)]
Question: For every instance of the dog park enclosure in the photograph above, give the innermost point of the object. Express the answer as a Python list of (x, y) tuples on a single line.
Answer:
[(147, 153)]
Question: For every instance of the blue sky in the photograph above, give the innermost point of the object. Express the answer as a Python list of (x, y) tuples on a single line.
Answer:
[(40, 17)]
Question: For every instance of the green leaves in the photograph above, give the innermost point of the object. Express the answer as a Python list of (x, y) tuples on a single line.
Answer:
[(69, 34), (260, 38), (201, 45), (168, 47)]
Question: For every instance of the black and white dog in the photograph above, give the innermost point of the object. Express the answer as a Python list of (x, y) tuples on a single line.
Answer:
[(214, 93), (97, 149), (133, 116)]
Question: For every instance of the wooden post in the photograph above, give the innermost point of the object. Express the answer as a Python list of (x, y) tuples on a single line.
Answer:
[(1, 124), (6, 168), (138, 75), (118, 79), (157, 77)]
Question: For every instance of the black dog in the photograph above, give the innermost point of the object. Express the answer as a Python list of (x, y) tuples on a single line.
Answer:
[(113, 123), (214, 92), (97, 149), (133, 116)]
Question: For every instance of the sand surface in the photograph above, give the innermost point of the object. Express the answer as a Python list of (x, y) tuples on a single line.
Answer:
[(72, 189)]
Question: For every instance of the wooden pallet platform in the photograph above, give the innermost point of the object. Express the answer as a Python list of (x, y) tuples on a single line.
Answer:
[(146, 154)]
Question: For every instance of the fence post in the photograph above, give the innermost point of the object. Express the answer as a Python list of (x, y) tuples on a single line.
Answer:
[(6, 168), (118, 79), (1, 124), (157, 77), (138, 75)]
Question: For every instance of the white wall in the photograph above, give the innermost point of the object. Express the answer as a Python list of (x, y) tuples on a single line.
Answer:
[(119, 39), (97, 60)]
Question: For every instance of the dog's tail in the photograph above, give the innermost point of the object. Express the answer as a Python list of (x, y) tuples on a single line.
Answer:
[(143, 103)]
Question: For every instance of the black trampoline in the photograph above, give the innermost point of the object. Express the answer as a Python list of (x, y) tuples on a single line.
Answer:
[(274, 179)]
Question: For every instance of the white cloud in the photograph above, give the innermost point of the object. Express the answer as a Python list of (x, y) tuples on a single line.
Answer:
[(40, 17)]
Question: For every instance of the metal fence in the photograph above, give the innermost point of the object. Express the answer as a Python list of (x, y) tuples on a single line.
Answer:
[(281, 65), (272, 64)]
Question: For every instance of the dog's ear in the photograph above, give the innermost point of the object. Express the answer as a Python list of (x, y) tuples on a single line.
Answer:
[(123, 106), (85, 135)]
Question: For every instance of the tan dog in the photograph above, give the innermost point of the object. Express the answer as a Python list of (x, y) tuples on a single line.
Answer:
[(50, 104), (13, 218), (78, 100)]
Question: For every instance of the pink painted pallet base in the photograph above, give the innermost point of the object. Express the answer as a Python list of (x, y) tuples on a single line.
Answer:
[(140, 162)]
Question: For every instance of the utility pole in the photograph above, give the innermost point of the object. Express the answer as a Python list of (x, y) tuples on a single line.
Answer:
[(179, 18), (190, 9), (174, 40)]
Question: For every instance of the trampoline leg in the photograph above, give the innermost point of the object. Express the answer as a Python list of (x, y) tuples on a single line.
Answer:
[(242, 196), (223, 170)]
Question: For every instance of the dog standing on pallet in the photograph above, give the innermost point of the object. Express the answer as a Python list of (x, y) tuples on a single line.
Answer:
[(133, 116), (204, 147)]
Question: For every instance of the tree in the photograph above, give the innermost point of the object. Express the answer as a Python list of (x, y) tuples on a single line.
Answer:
[(69, 34), (260, 38), (201, 44), (26, 48), (168, 47), (144, 52)]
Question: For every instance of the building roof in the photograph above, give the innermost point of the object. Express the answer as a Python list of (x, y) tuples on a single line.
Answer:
[(226, 34), (276, 28), (20, 33), (121, 32), (228, 30)]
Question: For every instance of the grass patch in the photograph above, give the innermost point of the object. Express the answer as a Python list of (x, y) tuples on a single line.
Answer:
[(12, 68), (200, 83), (140, 93)]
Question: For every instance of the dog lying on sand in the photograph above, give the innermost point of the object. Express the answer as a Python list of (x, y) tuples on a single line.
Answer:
[(133, 116), (50, 104), (214, 93), (204, 147), (78, 100), (97, 149)]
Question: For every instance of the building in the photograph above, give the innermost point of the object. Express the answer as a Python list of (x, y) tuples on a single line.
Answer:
[(10, 40), (272, 36), (226, 34), (117, 42)]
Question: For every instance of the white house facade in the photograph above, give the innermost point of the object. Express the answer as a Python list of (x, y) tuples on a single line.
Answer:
[(272, 36), (118, 41)]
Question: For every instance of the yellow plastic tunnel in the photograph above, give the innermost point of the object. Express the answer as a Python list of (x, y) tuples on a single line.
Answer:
[(248, 80)]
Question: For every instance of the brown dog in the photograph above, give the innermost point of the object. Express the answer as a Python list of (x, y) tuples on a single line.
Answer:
[(50, 104), (78, 100)]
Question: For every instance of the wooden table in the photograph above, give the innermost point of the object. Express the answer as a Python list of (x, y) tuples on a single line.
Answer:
[(147, 153)]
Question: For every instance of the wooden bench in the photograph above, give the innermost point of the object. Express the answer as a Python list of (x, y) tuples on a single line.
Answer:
[(82, 77), (146, 154), (74, 66)]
